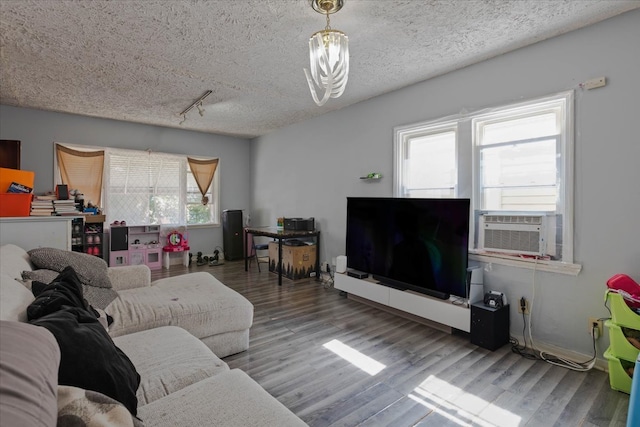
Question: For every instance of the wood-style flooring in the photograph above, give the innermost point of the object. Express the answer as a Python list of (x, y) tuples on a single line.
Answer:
[(393, 371)]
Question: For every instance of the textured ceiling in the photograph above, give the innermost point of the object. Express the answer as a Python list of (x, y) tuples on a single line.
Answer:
[(145, 61)]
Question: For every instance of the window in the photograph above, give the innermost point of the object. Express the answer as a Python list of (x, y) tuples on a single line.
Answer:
[(145, 188), (511, 160), (197, 213), (427, 156)]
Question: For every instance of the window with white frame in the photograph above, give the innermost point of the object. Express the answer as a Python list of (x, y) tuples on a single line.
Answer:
[(511, 161), (147, 188), (427, 156)]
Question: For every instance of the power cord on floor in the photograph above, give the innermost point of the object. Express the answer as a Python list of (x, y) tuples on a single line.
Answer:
[(522, 350), (328, 284), (543, 355)]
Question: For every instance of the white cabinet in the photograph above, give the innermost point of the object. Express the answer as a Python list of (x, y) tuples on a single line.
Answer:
[(32, 232), (436, 310)]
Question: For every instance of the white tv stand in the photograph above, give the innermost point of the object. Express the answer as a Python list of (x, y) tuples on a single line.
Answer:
[(426, 307)]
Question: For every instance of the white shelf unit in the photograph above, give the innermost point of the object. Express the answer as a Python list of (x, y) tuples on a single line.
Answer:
[(426, 307)]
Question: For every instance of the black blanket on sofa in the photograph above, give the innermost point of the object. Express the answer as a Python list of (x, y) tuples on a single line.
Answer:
[(89, 357)]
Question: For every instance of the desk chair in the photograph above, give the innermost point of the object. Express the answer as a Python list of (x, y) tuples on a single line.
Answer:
[(257, 253)]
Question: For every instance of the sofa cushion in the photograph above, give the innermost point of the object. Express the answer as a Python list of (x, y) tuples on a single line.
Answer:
[(29, 358), (197, 302), (14, 260), (90, 269), (14, 299), (168, 359), (97, 296), (89, 358), (230, 399), (78, 407)]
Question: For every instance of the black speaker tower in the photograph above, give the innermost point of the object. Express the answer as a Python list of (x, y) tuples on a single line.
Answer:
[(232, 235)]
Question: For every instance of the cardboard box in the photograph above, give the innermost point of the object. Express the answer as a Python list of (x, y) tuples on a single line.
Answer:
[(298, 262)]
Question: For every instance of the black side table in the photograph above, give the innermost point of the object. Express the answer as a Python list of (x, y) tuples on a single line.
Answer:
[(489, 326)]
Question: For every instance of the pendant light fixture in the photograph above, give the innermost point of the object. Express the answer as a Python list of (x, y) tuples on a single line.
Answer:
[(328, 55)]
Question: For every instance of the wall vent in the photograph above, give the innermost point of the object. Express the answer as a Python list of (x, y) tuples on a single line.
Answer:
[(517, 234)]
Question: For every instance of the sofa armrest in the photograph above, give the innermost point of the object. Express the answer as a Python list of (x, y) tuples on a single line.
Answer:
[(129, 277)]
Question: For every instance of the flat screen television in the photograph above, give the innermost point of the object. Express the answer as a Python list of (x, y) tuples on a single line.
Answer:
[(410, 243)]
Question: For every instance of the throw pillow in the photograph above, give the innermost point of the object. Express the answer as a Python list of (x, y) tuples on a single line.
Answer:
[(91, 269), (81, 408), (42, 275), (89, 358)]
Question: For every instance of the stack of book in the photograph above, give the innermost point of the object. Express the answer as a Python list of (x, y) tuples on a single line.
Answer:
[(42, 205), (65, 207)]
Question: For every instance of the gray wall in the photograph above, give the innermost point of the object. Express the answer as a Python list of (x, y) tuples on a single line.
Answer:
[(38, 130), (310, 168)]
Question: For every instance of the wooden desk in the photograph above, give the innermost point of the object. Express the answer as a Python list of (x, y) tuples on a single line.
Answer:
[(280, 235)]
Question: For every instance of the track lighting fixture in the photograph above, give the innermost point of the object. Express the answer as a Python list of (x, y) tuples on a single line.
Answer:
[(198, 104)]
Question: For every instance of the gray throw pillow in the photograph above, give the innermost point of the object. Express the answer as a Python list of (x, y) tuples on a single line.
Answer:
[(97, 297), (90, 269), (42, 275)]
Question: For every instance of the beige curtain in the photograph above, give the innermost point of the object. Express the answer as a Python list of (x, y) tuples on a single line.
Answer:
[(203, 172), (82, 171)]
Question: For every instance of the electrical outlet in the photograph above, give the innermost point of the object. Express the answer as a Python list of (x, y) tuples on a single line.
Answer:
[(595, 321), (525, 302), (324, 266)]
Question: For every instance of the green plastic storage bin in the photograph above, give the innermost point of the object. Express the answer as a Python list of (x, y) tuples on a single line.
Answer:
[(621, 314), (618, 377), (620, 345)]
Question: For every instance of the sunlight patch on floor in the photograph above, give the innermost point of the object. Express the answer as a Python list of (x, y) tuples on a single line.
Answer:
[(353, 356), (435, 393)]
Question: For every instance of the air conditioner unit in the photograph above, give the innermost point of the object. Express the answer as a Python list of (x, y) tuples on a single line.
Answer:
[(518, 234)]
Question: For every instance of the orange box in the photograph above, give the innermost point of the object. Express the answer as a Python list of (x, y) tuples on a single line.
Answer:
[(7, 176), (15, 204)]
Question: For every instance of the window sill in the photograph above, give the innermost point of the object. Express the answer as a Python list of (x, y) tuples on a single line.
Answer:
[(531, 264), (209, 225)]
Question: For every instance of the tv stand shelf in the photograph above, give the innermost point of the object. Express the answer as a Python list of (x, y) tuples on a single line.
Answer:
[(436, 310)]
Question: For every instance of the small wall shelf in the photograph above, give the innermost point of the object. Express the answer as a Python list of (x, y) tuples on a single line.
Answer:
[(374, 176)]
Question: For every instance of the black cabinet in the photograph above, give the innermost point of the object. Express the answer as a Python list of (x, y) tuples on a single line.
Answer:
[(94, 236), (489, 326), (87, 235)]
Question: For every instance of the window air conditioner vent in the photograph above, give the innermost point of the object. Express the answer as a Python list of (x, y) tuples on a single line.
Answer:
[(518, 234)]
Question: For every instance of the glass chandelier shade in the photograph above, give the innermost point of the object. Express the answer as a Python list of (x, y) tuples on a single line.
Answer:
[(329, 60)]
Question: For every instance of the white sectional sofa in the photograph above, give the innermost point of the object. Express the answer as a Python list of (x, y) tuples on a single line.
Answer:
[(173, 331)]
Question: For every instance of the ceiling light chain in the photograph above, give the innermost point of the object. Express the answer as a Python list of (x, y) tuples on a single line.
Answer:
[(328, 56)]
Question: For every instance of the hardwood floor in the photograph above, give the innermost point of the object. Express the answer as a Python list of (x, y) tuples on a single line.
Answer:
[(410, 374)]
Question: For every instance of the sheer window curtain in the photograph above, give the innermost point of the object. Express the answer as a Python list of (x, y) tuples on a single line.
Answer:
[(203, 172), (82, 171)]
